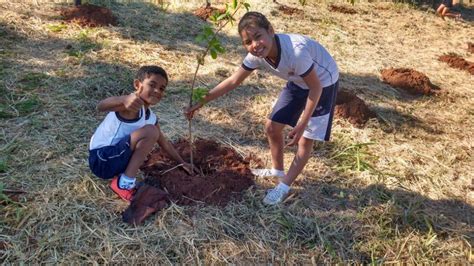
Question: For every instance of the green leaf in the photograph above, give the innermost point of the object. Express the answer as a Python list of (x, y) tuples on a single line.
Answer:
[(222, 16), (199, 93), (213, 53), (234, 4), (247, 6), (219, 48)]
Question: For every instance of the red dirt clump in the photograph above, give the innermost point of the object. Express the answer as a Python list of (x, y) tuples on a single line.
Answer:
[(206, 11), (290, 10), (352, 108), (470, 47), (225, 174), (342, 9), (147, 200), (89, 15), (458, 62), (410, 80)]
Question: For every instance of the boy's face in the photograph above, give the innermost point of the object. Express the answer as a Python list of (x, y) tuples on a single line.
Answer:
[(152, 89), (257, 41)]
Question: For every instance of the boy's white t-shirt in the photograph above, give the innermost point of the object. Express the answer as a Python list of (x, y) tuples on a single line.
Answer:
[(114, 128), (297, 56)]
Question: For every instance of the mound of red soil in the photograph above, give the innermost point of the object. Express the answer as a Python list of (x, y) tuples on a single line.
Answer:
[(352, 108), (290, 10), (89, 15), (342, 9), (458, 62), (206, 11), (224, 174), (470, 47), (410, 80)]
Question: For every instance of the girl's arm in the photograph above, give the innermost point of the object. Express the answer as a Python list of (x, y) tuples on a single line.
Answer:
[(222, 88), (315, 90)]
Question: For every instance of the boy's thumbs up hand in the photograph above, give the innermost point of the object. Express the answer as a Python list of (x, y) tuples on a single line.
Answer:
[(133, 103)]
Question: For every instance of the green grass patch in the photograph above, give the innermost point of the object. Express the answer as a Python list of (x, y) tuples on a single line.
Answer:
[(32, 81), (27, 105), (56, 27), (355, 157)]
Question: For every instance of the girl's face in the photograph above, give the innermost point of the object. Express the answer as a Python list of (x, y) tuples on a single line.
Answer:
[(152, 89), (258, 41)]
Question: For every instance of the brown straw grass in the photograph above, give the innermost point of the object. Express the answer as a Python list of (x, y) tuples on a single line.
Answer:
[(410, 201)]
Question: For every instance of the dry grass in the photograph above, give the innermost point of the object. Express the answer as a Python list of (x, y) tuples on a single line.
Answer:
[(411, 202)]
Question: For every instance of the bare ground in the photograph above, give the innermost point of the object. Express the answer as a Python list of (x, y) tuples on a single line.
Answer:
[(399, 189)]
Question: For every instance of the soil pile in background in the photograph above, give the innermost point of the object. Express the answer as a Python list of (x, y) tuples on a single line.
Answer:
[(290, 10), (470, 47), (342, 9), (89, 15), (206, 11), (410, 80), (224, 174), (458, 62), (352, 108)]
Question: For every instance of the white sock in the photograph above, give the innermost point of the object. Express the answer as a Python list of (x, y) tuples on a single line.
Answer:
[(283, 187), (126, 182), (277, 172)]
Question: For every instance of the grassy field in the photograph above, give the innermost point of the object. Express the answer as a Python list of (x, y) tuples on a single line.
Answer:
[(399, 189)]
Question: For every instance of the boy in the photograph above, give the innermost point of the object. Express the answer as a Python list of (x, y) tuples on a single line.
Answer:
[(312, 76), (129, 132)]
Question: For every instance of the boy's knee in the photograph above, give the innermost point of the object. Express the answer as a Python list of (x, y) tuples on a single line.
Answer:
[(271, 130), (151, 132)]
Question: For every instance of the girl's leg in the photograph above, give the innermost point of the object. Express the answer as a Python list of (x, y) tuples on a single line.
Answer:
[(274, 131), (305, 147), (142, 142)]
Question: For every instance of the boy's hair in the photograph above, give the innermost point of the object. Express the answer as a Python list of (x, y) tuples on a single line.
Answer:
[(146, 71), (254, 19)]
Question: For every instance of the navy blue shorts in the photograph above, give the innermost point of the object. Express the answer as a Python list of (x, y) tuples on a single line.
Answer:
[(291, 103), (448, 3), (109, 161)]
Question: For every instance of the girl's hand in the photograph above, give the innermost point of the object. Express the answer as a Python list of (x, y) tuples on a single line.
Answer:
[(295, 135), (133, 102), (189, 112)]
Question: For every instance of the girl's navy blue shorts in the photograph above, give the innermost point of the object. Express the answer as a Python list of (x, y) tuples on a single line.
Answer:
[(291, 103), (109, 161)]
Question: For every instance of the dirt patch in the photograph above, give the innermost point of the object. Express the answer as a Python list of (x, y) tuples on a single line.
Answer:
[(412, 81), (352, 108), (342, 9), (289, 10), (89, 15), (206, 11), (225, 174), (470, 47), (456, 61)]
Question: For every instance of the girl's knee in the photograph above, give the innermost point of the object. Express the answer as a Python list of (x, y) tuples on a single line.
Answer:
[(272, 129)]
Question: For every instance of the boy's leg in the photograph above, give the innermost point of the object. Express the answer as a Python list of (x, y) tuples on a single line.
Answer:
[(142, 142)]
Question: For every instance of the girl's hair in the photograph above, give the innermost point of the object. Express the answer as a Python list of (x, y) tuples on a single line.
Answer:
[(254, 19), (146, 71)]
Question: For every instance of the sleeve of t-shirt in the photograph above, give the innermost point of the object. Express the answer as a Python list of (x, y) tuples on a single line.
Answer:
[(303, 61), (250, 62), (152, 119)]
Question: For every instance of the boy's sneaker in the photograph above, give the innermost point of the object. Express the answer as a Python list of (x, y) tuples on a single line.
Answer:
[(125, 194), (275, 196), (267, 172)]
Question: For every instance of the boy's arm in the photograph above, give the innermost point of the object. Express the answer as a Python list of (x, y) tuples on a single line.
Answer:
[(222, 88), (168, 148), (315, 91), (129, 102)]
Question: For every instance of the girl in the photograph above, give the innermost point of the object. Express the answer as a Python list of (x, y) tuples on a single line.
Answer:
[(306, 103)]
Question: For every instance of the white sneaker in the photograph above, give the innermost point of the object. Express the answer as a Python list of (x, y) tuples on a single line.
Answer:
[(267, 172), (275, 196)]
